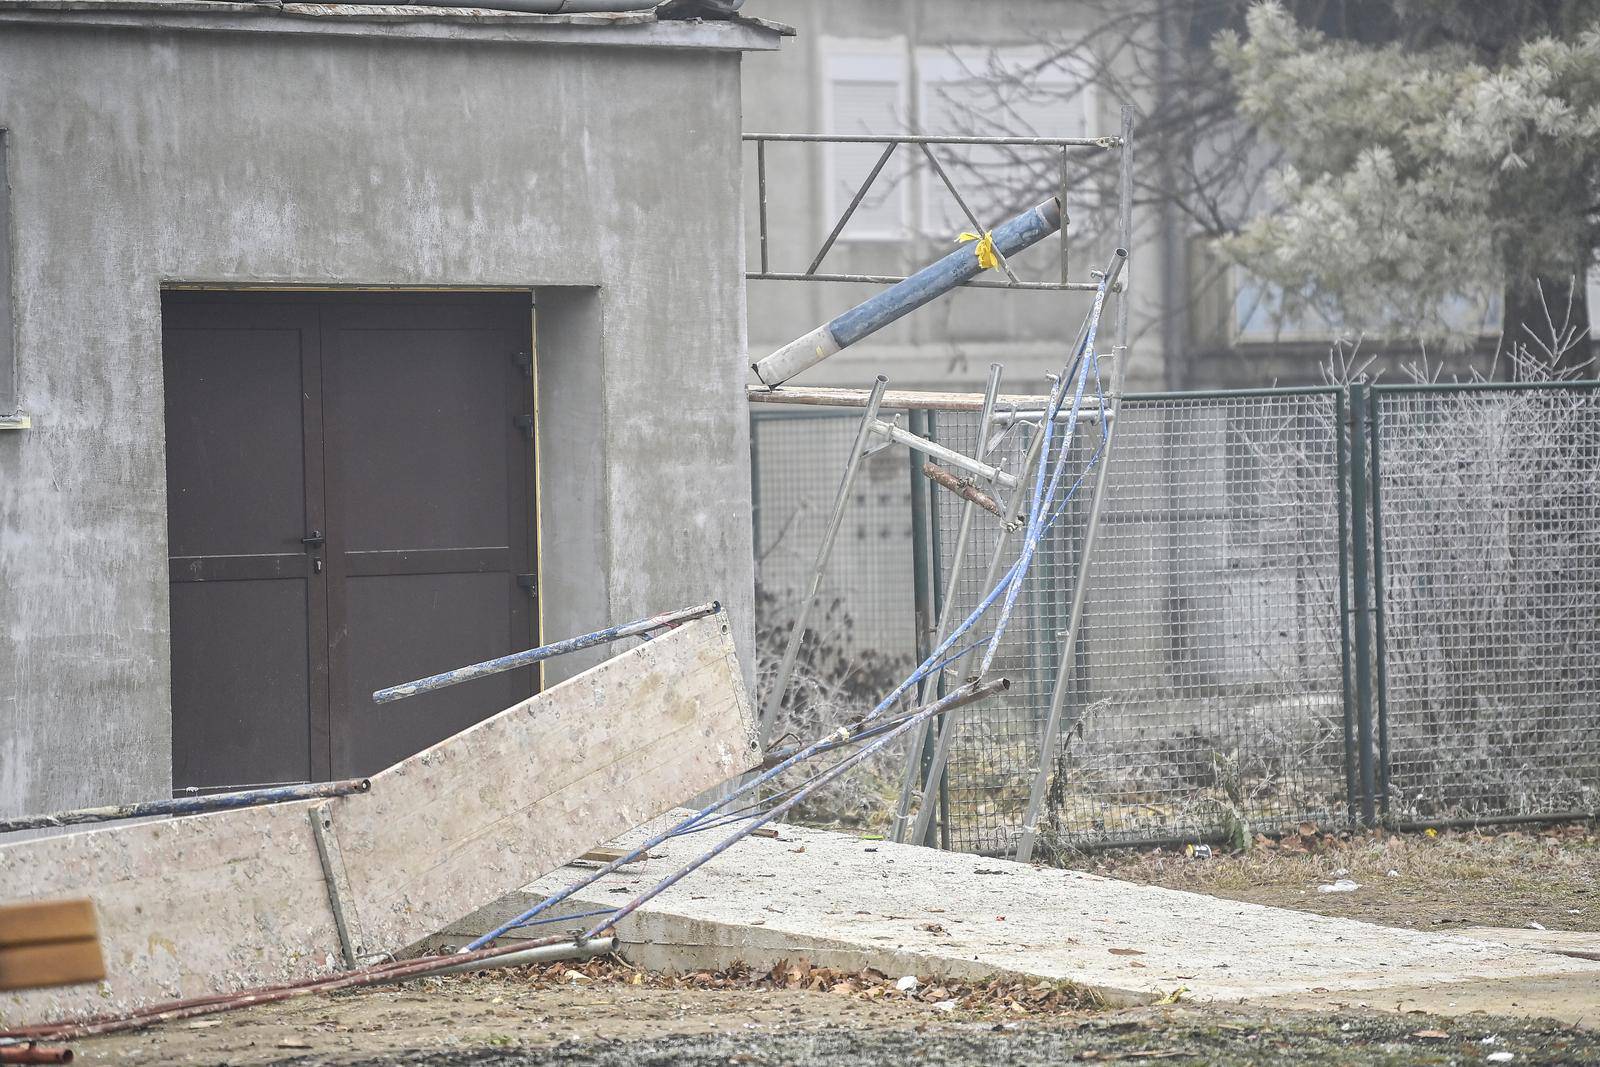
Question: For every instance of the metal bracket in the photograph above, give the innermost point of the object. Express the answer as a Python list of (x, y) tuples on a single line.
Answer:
[(524, 359), (525, 424), (528, 582), (340, 899), (891, 431)]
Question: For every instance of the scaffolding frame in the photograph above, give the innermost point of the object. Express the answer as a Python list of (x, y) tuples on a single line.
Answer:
[(925, 771), (1122, 143)]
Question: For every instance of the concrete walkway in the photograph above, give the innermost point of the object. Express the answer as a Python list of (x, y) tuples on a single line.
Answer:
[(843, 902)]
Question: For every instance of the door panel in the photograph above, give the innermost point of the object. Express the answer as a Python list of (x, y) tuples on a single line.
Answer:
[(431, 523), (385, 423), (234, 414), (424, 423), (240, 690), (409, 626), (249, 674)]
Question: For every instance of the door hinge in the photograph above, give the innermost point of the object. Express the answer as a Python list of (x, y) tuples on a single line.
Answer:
[(524, 359), (527, 582), (525, 424)]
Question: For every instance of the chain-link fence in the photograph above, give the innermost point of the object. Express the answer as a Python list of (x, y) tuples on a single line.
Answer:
[(1214, 687), (797, 460), (1488, 535), (861, 636), (1207, 690)]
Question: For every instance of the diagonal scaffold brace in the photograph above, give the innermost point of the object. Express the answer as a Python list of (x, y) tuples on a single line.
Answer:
[(443, 680), (1033, 466)]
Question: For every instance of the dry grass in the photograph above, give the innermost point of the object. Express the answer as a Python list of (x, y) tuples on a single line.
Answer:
[(1549, 876)]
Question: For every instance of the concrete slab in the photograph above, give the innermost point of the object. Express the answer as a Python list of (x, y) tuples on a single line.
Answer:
[(239, 899), (841, 901)]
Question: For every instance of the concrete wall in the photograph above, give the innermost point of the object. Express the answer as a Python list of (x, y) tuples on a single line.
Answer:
[(145, 155)]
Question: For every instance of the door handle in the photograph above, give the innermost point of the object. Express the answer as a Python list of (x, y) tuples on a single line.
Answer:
[(316, 540)]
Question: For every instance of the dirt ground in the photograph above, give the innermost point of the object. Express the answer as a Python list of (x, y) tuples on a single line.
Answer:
[(1549, 876), (507, 1019), (604, 1014)]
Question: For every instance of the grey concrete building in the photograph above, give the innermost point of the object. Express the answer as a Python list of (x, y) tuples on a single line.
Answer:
[(345, 345)]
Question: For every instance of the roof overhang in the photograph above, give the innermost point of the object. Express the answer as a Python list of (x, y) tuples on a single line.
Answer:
[(634, 29)]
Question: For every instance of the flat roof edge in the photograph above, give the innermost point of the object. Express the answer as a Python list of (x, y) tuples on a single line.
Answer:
[(638, 29)]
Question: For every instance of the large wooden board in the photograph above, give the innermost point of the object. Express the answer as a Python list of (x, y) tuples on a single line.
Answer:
[(232, 900)]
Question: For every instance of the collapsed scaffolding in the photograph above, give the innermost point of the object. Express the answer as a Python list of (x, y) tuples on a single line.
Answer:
[(923, 783)]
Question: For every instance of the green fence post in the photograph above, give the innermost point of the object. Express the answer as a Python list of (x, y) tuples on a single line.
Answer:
[(1380, 594), (1363, 596), (755, 483), (1347, 688)]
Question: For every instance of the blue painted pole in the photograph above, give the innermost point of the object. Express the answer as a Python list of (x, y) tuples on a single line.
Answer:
[(534, 655), (902, 298), (968, 693), (244, 798)]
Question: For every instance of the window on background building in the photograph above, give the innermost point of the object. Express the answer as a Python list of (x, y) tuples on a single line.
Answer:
[(999, 92), (1259, 316), (865, 92)]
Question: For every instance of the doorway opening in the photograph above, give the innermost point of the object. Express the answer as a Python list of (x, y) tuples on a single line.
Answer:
[(350, 504)]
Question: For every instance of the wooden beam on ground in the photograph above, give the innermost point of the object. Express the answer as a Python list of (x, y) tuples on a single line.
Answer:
[(231, 900), (50, 943)]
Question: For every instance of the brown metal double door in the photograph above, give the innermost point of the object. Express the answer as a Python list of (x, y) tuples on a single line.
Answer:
[(350, 505)]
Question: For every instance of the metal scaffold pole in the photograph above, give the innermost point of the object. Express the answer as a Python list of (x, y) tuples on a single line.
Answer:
[(1069, 643), (908, 784), (791, 651)]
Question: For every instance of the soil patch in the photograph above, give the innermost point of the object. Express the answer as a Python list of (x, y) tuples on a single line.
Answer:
[(1423, 881)]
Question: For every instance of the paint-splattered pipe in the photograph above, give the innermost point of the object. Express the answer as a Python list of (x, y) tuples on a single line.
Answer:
[(244, 798), (902, 298), (534, 655)]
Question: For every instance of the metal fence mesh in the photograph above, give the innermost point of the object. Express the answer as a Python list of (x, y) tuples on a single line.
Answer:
[(1207, 696), (1207, 691), (1490, 534), (798, 461), (860, 638)]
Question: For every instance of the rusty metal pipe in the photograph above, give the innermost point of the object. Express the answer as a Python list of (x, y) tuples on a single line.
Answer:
[(31, 1053), (392, 971), (964, 490)]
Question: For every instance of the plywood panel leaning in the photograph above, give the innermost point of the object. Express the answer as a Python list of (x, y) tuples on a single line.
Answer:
[(233, 900)]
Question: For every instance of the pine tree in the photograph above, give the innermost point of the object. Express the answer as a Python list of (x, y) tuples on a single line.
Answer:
[(1459, 159)]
